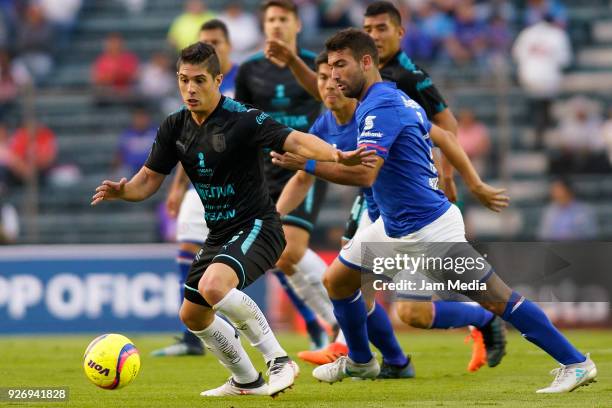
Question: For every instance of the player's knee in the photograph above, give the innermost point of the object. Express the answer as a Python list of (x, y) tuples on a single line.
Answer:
[(415, 314), (340, 284), (290, 257), (213, 288)]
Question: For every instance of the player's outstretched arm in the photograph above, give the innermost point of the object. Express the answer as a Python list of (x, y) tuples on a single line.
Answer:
[(492, 198), (177, 191), (311, 147), (142, 186), (279, 53), (294, 192), (361, 176)]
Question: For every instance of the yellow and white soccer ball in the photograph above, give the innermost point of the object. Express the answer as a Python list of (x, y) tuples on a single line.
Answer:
[(111, 361)]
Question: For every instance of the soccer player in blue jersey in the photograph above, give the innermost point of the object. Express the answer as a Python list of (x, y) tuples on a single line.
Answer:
[(403, 182), (339, 127)]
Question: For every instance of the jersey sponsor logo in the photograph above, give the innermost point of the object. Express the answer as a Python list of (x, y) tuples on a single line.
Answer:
[(294, 122), (202, 169), (261, 118), (369, 122), (206, 191), (280, 100)]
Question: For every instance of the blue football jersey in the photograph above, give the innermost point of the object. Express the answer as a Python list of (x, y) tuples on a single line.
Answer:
[(406, 189), (343, 137)]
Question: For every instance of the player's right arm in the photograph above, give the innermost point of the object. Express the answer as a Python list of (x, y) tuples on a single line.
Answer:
[(360, 176), (294, 192), (142, 186), (277, 50)]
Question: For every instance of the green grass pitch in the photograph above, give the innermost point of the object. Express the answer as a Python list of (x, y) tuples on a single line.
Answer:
[(440, 359)]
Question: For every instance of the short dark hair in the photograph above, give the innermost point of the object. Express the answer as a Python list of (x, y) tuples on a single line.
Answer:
[(384, 7), (321, 59), (284, 4), (357, 41), (216, 24), (200, 54)]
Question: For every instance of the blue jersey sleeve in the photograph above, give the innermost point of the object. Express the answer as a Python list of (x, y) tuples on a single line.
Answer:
[(378, 129)]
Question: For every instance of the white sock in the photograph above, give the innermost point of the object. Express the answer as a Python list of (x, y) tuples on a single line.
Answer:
[(222, 340), (307, 284), (246, 316)]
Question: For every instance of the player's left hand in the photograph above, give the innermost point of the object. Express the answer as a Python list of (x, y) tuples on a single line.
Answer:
[(357, 157), (492, 198), (288, 161), (278, 52)]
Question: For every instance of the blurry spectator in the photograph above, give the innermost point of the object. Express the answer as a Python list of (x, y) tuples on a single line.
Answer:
[(606, 132), (499, 36), (565, 218), (474, 138), (13, 75), (44, 149), (62, 16), (416, 43), (9, 223), (308, 11), (244, 31), (12, 167), (577, 145), (184, 29), (35, 42), (433, 25), (541, 51), (134, 144), (538, 10), (114, 71), (134, 6), (335, 13), (469, 40), (157, 83)]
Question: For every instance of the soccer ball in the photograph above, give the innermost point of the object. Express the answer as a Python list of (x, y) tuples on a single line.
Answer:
[(111, 361)]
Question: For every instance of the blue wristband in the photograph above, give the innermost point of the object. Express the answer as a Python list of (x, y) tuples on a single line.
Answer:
[(309, 167)]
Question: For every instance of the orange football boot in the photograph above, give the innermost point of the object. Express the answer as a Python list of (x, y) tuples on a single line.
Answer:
[(325, 355), (479, 352)]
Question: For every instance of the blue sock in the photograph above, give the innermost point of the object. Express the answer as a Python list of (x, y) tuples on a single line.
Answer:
[(352, 314), (535, 326), (380, 333), (184, 261), (457, 314), (301, 307)]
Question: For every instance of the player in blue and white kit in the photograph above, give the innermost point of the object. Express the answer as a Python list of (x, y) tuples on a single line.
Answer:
[(413, 210), (338, 126)]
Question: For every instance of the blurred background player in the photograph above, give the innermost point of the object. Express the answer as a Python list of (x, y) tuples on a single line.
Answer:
[(382, 22), (268, 84)]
